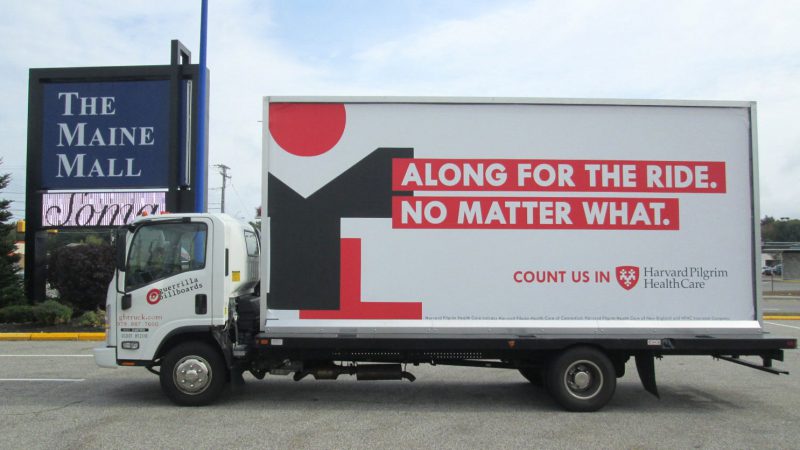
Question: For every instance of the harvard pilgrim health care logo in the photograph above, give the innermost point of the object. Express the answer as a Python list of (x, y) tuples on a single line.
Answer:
[(627, 276)]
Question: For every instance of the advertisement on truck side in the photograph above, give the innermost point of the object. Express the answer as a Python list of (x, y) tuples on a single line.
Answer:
[(435, 214)]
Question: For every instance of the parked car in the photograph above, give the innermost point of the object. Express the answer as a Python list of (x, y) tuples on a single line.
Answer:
[(776, 270)]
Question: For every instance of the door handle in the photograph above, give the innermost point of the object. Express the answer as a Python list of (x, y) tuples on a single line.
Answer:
[(126, 301), (200, 304)]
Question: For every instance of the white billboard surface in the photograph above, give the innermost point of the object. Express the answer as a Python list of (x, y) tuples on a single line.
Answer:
[(521, 215)]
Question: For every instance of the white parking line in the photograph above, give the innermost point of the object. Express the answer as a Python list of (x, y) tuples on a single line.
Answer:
[(782, 325), (44, 379), (45, 356)]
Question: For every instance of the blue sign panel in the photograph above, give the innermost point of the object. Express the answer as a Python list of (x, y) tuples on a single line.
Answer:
[(105, 135)]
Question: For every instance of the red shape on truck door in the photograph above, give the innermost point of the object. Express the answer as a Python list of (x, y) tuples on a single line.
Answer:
[(307, 129), (351, 306)]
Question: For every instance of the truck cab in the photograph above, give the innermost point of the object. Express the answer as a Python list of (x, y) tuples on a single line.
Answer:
[(175, 278)]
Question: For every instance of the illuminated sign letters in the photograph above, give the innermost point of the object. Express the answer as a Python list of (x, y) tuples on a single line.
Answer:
[(91, 209)]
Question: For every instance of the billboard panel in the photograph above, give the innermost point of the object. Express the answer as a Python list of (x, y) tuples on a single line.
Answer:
[(529, 215)]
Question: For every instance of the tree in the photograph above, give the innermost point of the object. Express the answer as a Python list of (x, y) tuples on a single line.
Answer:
[(10, 283), (783, 230)]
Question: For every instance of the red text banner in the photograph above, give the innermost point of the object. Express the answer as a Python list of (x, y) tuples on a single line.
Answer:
[(558, 175), (582, 213)]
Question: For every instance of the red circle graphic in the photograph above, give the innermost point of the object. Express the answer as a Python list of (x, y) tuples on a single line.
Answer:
[(153, 296), (307, 129)]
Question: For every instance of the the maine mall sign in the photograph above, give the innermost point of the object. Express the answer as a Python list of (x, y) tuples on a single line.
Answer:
[(105, 135)]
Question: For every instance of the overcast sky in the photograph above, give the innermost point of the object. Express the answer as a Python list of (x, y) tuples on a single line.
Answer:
[(699, 50)]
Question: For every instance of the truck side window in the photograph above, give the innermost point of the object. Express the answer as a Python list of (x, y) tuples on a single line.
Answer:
[(251, 241), (160, 251)]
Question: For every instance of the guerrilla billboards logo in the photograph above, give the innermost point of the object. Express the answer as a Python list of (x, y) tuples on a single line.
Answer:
[(155, 295)]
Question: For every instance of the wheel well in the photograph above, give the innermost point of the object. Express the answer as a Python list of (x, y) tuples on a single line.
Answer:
[(187, 336), (618, 358)]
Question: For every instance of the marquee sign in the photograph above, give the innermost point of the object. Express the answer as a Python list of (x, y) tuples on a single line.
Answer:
[(91, 209)]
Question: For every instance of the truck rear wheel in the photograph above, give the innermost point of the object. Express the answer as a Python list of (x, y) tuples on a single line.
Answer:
[(581, 379), (193, 374)]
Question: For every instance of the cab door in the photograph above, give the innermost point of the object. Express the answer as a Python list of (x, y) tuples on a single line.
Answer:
[(167, 284)]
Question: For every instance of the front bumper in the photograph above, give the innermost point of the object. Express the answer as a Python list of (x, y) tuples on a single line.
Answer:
[(106, 357)]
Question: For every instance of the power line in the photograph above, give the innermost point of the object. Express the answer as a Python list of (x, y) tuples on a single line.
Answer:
[(238, 197)]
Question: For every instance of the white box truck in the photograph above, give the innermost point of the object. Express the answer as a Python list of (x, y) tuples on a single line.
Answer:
[(559, 238)]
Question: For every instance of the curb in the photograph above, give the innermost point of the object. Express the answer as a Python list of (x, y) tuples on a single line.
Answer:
[(52, 336)]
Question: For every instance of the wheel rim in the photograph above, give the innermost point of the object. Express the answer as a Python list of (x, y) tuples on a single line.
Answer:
[(583, 379), (192, 375)]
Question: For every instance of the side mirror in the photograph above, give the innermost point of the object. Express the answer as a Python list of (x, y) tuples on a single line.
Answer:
[(122, 235)]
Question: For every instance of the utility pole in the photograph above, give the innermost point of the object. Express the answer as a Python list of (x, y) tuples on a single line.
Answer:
[(223, 170)]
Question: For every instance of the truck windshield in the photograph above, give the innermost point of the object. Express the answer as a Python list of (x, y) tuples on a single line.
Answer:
[(162, 250)]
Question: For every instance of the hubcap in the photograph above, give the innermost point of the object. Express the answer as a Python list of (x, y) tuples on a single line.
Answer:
[(583, 379), (192, 375)]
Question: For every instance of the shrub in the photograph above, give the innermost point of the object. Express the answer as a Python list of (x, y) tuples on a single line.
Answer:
[(81, 273), (12, 295), (52, 313), (17, 314), (92, 319)]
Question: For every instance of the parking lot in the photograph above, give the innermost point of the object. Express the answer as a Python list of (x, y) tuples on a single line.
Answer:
[(780, 286), (55, 397)]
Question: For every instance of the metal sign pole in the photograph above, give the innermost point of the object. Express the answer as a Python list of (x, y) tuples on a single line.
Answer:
[(201, 161)]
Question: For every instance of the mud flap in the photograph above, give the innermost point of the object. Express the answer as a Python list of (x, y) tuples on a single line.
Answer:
[(645, 365)]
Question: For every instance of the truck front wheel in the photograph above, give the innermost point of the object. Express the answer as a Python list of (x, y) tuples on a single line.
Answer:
[(193, 374), (581, 379)]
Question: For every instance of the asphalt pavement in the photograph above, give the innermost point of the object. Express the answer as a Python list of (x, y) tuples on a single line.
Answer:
[(53, 396), (779, 285), (780, 305)]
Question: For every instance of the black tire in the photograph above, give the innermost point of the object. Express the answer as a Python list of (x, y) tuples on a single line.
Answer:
[(581, 379), (533, 374), (193, 374)]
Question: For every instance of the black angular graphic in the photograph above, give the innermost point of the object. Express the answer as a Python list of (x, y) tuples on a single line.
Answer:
[(306, 232)]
